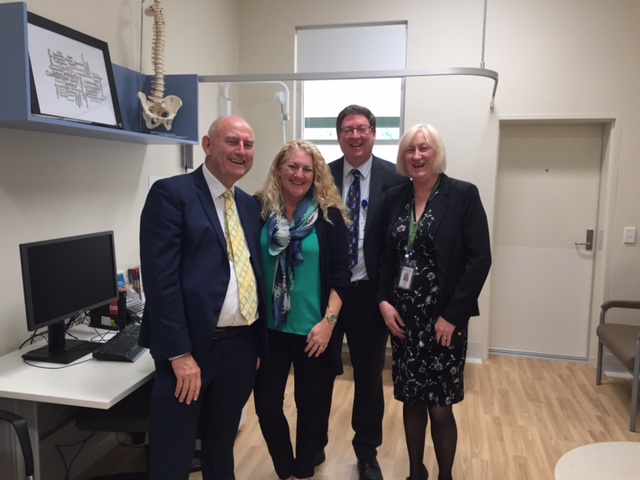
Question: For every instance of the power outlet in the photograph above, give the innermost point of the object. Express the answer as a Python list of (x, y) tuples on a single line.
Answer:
[(629, 235)]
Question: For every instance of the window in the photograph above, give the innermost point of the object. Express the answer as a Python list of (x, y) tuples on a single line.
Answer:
[(353, 48)]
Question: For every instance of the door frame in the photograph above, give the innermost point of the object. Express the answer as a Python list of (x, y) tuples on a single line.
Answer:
[(606, 199)]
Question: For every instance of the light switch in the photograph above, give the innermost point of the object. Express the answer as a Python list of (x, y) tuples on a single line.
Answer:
[(629, 235)]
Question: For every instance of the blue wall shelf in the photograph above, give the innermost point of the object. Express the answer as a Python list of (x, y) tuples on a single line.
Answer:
[(15, 94)]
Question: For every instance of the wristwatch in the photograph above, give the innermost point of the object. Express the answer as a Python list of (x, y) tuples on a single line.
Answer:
[(331, 318)]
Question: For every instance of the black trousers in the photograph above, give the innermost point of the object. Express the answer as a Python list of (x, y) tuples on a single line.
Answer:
[(228, 375), (313, 382), (367, 335)]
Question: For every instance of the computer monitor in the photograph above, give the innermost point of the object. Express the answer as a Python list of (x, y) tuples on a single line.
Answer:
[(61, 278)]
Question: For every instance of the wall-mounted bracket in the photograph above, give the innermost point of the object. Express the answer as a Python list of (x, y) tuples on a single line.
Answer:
[(224, 102)]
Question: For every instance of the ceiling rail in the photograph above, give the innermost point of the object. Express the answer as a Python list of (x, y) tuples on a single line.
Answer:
[(365, 74)]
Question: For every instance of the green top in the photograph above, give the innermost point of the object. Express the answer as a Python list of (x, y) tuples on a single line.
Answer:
[(305, 296)]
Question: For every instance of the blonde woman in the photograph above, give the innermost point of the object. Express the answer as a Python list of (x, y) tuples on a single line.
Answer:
[(437, 259), (304, 258)]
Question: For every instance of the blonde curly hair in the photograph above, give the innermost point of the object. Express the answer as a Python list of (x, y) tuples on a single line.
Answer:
[(325, 192)]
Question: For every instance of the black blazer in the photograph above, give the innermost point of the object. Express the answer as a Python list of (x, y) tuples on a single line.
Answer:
[(462, 246), (334, 272), (384, 175), (185, 266)]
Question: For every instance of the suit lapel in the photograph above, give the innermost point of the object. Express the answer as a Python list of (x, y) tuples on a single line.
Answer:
[(375, 190), (337, 168), (249, 225), (208, 206), (440, 203)]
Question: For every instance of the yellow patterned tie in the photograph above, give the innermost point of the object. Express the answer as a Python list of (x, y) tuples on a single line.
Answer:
[(240, 255)]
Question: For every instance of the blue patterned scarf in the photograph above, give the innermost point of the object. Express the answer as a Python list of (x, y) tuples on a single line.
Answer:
[(285, 243)]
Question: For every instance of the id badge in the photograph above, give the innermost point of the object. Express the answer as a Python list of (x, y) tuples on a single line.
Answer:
[(405, 279), (361, 224)]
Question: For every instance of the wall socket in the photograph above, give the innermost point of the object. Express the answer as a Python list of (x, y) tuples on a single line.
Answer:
[(629, 235)]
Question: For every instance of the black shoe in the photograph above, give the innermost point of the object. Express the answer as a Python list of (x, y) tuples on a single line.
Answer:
[(319, 458), (369, 469), (425, 475)]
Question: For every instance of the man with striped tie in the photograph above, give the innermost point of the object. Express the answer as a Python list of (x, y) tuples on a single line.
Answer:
[(364, 180), (204, 318)]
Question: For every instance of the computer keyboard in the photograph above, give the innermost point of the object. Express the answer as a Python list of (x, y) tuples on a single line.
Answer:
[(135, 308), (122, 347)]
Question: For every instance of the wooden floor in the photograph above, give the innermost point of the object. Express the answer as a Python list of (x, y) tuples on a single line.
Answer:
[(518, 418)]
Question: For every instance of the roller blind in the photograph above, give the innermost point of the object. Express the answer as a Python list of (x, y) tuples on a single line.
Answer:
[(353, 48)]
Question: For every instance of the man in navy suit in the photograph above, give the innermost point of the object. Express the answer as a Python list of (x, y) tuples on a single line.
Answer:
[(360, 317), (206, 352)]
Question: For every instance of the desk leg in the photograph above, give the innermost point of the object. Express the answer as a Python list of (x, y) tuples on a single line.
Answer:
[(11, 457)]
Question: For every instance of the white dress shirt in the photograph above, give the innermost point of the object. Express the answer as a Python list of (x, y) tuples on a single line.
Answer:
[(359, 271), (230, 315)]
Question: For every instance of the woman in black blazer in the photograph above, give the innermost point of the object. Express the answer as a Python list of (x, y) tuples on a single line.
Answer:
[(436, 261)]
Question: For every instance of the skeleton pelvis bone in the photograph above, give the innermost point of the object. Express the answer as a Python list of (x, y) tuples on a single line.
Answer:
[(159, 111)]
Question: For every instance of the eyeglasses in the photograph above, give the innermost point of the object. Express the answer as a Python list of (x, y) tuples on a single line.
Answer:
[(348, 131)]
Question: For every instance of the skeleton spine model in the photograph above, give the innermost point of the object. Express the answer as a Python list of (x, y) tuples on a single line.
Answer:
[(158, 109)]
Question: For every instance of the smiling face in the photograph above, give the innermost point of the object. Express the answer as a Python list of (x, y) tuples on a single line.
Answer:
[(229, 147), (296, 176), (357, 147), (419, 159)]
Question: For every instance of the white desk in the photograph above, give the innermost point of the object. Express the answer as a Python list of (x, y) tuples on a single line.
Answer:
[(83, 383)]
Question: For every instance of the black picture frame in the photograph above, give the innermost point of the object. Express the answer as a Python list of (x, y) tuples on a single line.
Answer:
[(71, 75)]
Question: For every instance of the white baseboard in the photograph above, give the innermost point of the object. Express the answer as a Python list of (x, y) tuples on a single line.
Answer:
[(474, 352)]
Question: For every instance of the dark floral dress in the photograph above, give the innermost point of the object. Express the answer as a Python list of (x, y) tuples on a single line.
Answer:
[(422, 369)]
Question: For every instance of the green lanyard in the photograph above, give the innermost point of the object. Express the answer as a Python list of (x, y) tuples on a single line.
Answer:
[(413, 223)]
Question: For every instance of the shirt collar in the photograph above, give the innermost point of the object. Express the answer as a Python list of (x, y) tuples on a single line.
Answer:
[(364, 169), (215, 186)]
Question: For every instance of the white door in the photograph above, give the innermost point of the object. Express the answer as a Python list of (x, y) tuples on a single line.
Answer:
[(546, 200)]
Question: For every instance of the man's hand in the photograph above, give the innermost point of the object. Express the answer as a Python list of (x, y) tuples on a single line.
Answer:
[(188, 378)]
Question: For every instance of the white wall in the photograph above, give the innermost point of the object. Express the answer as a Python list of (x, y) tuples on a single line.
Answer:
[(54, 185), (569, 59)]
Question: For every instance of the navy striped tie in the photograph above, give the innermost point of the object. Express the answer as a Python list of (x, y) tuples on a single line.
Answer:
[(353, 204)]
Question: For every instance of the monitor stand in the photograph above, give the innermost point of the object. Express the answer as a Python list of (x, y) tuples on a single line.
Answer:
[(60, 350)]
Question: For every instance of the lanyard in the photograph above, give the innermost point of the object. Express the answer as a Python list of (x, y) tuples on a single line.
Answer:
[(413, 223)]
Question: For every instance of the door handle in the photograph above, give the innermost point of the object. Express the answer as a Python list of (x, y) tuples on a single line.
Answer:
[(588, 244)]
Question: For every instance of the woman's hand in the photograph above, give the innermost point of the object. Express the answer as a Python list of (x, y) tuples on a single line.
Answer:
[(392, 319), (444, 331), (318, 338)]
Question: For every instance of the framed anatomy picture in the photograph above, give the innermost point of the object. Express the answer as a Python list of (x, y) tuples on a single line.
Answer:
[(71, 75)]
